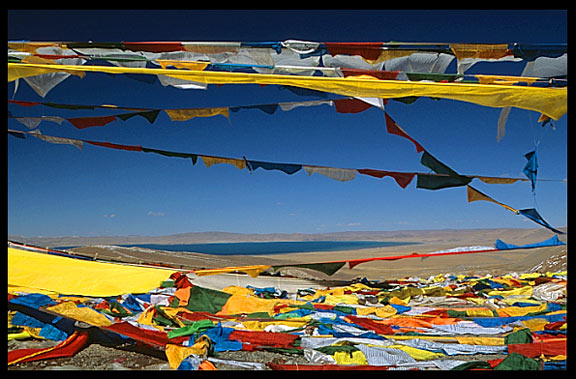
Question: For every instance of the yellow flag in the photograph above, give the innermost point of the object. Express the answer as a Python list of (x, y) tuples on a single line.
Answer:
[(475, 195)]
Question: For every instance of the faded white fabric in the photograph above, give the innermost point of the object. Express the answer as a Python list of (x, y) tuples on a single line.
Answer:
[(289, 62), (33, 122), (340, 174), (317, 357), (374, 101), (59, 140), (466, 327), (545, 67), (548, 291), (454, 348), (240, 364), (136, 59), (349, 61), (420, 62), (301, 47), (382, 356), (180, 83), (292, 105), (316, 342), (465, 63), (44, 83)]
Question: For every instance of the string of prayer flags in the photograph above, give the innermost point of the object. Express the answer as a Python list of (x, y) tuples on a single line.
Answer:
[(531, 213), (346, 105), (341, 174), (549, 101)]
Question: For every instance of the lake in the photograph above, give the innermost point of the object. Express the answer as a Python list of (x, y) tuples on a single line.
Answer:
[(260, 248)]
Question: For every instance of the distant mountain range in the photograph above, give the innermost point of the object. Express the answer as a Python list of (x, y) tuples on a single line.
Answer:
[(444, 235)]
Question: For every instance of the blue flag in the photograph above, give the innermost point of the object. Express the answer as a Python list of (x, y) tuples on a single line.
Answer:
[(531, 168)]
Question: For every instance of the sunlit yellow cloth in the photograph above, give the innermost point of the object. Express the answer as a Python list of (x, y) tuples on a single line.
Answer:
[(176, 353), (478, 50), (260, 325), (189, 65), (522, 291), (188, 114), (44, 273), (209, 161), (243, 302), (552, 102), (84, 314), (475, 340), (418, 354), (346, 358), (253, 271)]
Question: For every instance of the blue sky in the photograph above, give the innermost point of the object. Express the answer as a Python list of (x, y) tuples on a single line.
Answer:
[(59, 190)]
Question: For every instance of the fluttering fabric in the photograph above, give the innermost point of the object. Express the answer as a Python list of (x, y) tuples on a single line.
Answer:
[(533, 215), (78, 277), (284, 167), (531, 168), (475, 195), (428, 181), (393, 128), (447, 178), (549, 101), (402, 178), (554, 241)]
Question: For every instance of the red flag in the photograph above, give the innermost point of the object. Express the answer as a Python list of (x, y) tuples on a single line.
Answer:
[(87, 122), (393, 128)]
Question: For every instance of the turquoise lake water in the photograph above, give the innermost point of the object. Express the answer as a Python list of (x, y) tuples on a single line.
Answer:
[(260, 248)]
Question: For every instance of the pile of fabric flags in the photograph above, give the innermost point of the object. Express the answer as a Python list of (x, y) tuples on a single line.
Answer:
[(445, 322)]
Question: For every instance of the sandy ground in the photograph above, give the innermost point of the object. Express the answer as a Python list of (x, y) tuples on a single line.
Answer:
[(495, 263)]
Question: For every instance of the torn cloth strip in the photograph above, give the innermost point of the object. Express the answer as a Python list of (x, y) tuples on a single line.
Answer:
[(148, 115), (210, 160), (536, 349), (261, 338), (356, 262), (434, 182), (475, 195), (115, 146), (453, 179), (554, 241), (340, 174), (193, 157), (285, 167), (70, 346), (266, 108), (383, 75), (533, 215), (87, 122), (367, 50), (154, 47), (393, 128), (328, 268), (350, 105), (402, 178)]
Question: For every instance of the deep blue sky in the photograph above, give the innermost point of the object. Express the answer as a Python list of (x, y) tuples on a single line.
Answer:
[(60, 190)]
